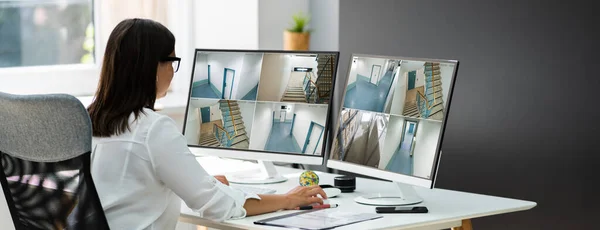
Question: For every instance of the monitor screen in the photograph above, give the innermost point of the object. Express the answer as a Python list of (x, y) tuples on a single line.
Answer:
[(393, 114), (267, 101)]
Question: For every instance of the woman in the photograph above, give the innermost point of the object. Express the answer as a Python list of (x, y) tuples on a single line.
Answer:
[(140, 161)]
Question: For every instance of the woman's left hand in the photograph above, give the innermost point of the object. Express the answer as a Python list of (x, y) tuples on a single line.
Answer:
[(222, 179)]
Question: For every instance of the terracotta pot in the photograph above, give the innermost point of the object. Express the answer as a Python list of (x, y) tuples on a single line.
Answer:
[(296, 41)]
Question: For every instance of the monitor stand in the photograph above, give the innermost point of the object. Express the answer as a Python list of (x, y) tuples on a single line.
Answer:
[(268, 175), (405, 195)]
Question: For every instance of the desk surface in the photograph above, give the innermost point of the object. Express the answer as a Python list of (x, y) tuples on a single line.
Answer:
[(446, 208)]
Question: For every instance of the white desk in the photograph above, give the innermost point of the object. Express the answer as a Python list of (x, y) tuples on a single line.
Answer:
[(447, 209), (5, 217)]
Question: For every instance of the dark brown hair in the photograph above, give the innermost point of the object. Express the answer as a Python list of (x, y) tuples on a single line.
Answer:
[(128, 77)]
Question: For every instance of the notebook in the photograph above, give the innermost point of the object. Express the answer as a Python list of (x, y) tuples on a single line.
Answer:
[(318, 219)]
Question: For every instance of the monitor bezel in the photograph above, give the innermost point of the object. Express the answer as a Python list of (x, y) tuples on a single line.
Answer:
[(380, 173), (253, 154)]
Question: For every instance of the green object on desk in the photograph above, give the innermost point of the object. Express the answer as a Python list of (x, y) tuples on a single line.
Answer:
[(309, 178)]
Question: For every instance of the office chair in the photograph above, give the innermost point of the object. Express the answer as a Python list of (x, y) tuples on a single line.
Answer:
[(45, 146)]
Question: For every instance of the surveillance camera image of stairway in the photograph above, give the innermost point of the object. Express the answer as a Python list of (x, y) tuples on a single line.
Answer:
[(370, 83), (289, 127), (415, 89), (389, 142), (220, 123), (360, 137), (226, 75), (297, 78), (285, 94), (392, 120), (422, 90)]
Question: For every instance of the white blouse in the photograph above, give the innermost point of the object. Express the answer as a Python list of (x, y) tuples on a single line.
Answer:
[(141, 175)]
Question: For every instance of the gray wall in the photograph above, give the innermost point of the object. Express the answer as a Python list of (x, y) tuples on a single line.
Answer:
[(325, 15), (325, 37), (523, 121), (274, 16)]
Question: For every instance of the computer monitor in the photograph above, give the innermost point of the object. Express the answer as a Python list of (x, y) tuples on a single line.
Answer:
[(260, 105), (392, 121)]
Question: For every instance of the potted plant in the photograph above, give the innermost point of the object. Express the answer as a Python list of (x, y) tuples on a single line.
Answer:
[(297, 37)]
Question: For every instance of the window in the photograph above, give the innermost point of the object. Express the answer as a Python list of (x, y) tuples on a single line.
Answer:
[(46, 32), (56, 46), (49, 46)]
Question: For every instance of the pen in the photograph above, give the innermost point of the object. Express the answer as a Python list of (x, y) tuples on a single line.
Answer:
[(317, 206)]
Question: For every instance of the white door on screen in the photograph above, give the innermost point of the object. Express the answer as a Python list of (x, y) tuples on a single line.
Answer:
[(229, 79), (375, 71), (282, 115), (314, 138)]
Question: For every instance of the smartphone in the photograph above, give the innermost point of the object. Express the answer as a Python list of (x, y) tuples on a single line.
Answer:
[(402, 209)]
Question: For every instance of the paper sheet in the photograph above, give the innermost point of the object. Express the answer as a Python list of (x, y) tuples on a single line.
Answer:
[(320, 219)]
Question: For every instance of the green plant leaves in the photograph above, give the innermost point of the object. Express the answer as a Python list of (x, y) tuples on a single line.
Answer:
[(300, 22)]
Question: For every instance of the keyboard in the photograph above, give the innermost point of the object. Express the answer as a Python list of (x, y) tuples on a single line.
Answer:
[(255, 190)]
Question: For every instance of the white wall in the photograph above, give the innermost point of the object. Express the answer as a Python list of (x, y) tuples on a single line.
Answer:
[(446, 73), (392, 92), (392, 140), (286, 74), (219, 61), (420, 79), (305, 113), (249, 75), (365, 66), (274, 76), (290, 110), (382, 131), (300, 61), (399, 94), (231, 24), (192, 130), (366, 125), (383, 70), (201, 69), (297, 78), (353, 71), (215, 112), (408, 66), (263, 118), (362, 128), (247, 110), (310, 62), (274, 16), (428, 133), (325, 17)]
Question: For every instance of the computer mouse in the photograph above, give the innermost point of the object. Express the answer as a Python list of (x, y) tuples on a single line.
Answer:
[(332, 192)]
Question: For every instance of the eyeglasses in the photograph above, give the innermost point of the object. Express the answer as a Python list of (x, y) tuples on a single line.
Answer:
[(174, 61)]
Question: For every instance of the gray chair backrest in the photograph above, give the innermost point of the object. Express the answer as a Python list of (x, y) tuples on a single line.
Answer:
[(44, 128), (48, 137)]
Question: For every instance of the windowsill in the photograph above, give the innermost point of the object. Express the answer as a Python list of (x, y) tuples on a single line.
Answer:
[(173, 102)]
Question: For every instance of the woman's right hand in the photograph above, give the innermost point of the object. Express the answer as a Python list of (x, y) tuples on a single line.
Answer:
[(304, 195)]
